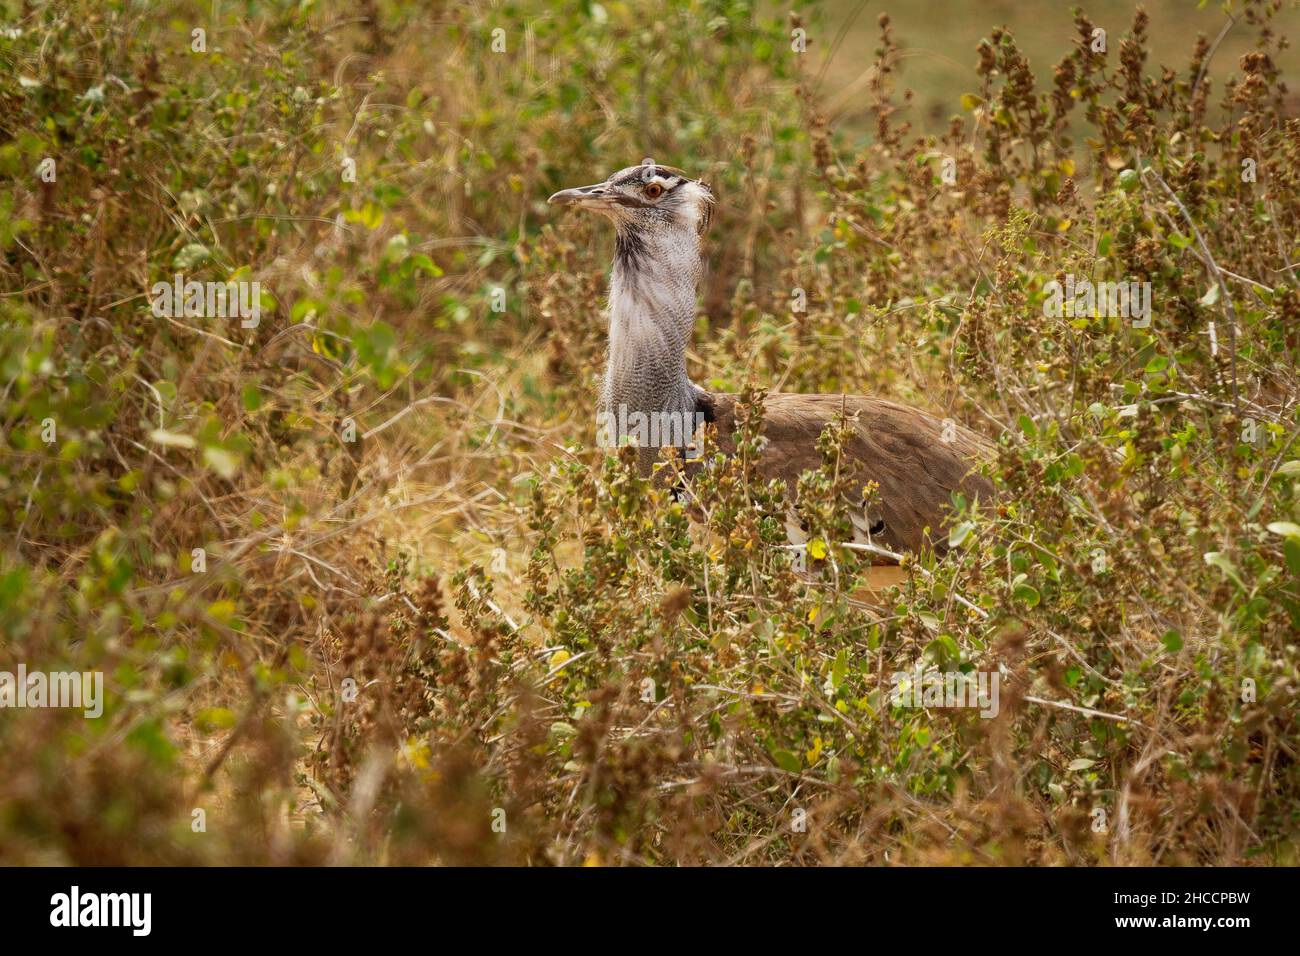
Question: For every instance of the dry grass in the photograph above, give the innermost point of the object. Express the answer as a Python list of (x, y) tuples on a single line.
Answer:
[(553, 661)]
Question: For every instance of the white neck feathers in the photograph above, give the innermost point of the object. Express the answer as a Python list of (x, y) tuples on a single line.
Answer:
[(651, 315)]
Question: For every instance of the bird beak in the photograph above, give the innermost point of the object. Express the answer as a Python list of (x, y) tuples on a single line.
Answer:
[(589, 197)]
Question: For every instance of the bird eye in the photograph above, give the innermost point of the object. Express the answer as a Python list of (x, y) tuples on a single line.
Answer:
[(653, 190)]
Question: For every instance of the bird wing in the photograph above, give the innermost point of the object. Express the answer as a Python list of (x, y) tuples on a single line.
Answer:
[(903, 450)]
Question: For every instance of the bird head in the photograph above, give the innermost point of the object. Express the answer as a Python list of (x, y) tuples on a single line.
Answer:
[(645, 199)]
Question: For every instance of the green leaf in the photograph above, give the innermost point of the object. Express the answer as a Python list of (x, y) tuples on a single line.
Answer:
[(223, 462), (787, 761), (303, 308), (222, 610), (191, 256), (1291, 548), (398, 248), (959, 534), (151, 739), (943, 650), (214, 718), (1221, 561), (1026, 593), (421, 261), (1173, 641), (839, 669)]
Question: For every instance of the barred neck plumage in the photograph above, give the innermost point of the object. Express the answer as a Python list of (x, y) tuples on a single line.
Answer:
[(651, 314)]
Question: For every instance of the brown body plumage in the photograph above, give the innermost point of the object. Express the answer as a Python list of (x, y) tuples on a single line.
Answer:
[(901, 449)]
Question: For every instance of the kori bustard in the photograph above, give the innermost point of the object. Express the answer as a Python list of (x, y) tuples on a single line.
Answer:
[(659, 216)]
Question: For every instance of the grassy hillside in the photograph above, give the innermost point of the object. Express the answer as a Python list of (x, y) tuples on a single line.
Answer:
[(363, 589)]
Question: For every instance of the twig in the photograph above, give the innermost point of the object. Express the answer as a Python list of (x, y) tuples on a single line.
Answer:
[(1230, 312), (1086, 710), (1205, 64)]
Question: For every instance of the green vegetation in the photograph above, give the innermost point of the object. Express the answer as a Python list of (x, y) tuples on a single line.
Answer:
[(361, 587)]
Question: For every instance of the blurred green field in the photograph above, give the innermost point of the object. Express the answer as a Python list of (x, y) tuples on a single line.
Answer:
[(938, 38)]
